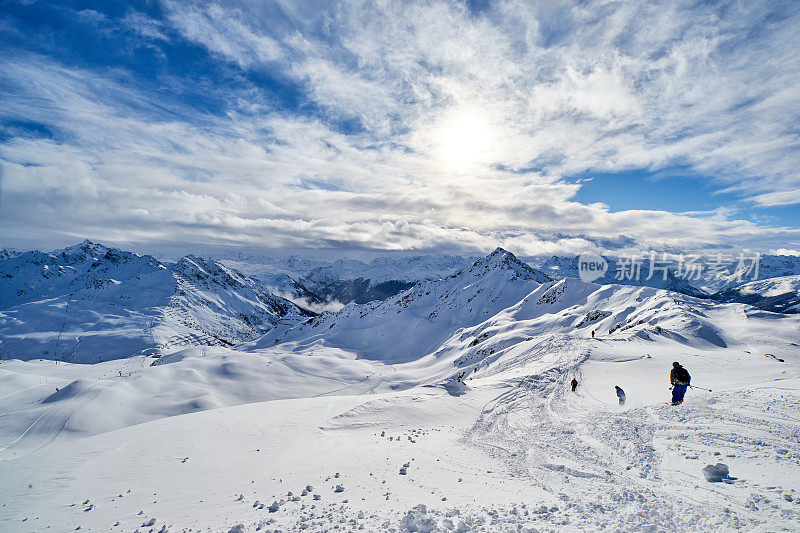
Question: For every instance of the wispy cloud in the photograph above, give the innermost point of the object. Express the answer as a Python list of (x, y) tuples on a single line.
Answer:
[(365, 100)]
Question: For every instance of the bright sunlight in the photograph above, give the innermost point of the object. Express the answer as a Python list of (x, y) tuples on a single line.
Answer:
[(464, 140)]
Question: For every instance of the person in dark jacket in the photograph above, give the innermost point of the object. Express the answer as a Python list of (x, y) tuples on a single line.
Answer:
[(680, 379), (620, 394), (574, 384)]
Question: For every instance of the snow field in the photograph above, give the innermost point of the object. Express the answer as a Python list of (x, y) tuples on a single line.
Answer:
[(446, 408)]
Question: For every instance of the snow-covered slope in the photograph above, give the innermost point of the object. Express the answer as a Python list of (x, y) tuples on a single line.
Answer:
[(779, 294), (89, 303), (363, 425)]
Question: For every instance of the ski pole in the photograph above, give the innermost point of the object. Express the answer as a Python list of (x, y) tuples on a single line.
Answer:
[(701, 388)]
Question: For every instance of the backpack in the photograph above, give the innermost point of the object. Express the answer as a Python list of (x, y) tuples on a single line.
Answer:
[(682, 375)]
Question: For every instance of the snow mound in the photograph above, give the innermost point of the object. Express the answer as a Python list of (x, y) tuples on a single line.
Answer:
[(418, 520), (716, 473)]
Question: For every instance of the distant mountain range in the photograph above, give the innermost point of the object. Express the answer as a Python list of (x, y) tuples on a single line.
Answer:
[(317, 283), (322, 285), (779, 294), (567, 267), (88, 301)]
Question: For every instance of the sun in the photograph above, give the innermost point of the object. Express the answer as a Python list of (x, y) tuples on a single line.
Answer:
[(463, 140)]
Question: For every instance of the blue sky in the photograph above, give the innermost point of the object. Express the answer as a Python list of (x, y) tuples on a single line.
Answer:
[(676, 190), (546, 127)]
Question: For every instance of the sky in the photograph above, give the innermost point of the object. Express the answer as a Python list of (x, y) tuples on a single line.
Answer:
[(541, 126)]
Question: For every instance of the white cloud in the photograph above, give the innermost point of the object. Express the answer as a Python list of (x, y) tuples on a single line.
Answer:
[(223, 31), (562, 88), (144, 25)]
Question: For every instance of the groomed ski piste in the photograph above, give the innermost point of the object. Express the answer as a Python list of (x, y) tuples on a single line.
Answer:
[(357, 420)]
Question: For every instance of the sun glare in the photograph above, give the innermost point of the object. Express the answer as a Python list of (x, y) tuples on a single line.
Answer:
[(463, 141)]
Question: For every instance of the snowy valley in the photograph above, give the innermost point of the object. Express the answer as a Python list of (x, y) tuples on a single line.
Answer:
[(443, 407)]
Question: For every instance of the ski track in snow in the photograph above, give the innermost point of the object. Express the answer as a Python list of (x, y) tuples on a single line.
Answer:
[(574, 462)]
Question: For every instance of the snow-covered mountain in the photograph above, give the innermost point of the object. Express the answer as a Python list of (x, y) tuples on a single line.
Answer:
[(6, 253), (414, 322), (778, 294), (321, 285), (567, 267), (89, 302), (280, 275), (443, 316), (775, 288), (382, 269), (769, 266), (355, 281)]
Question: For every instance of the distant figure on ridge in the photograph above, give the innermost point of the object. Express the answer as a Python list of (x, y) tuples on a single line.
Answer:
[(593, 334), (574, 384), (620, 394), (680, 380)]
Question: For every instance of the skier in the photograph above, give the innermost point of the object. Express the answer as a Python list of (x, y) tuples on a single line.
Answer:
[(680, 379), (574, 384), (593, 334), (620, 394)]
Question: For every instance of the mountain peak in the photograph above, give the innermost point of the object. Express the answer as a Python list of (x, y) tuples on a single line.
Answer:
[(79, 252), (503, 259), (502, 256), (501, 252)]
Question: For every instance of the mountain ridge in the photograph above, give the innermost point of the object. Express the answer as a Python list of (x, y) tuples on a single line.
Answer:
[(89, 301)]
